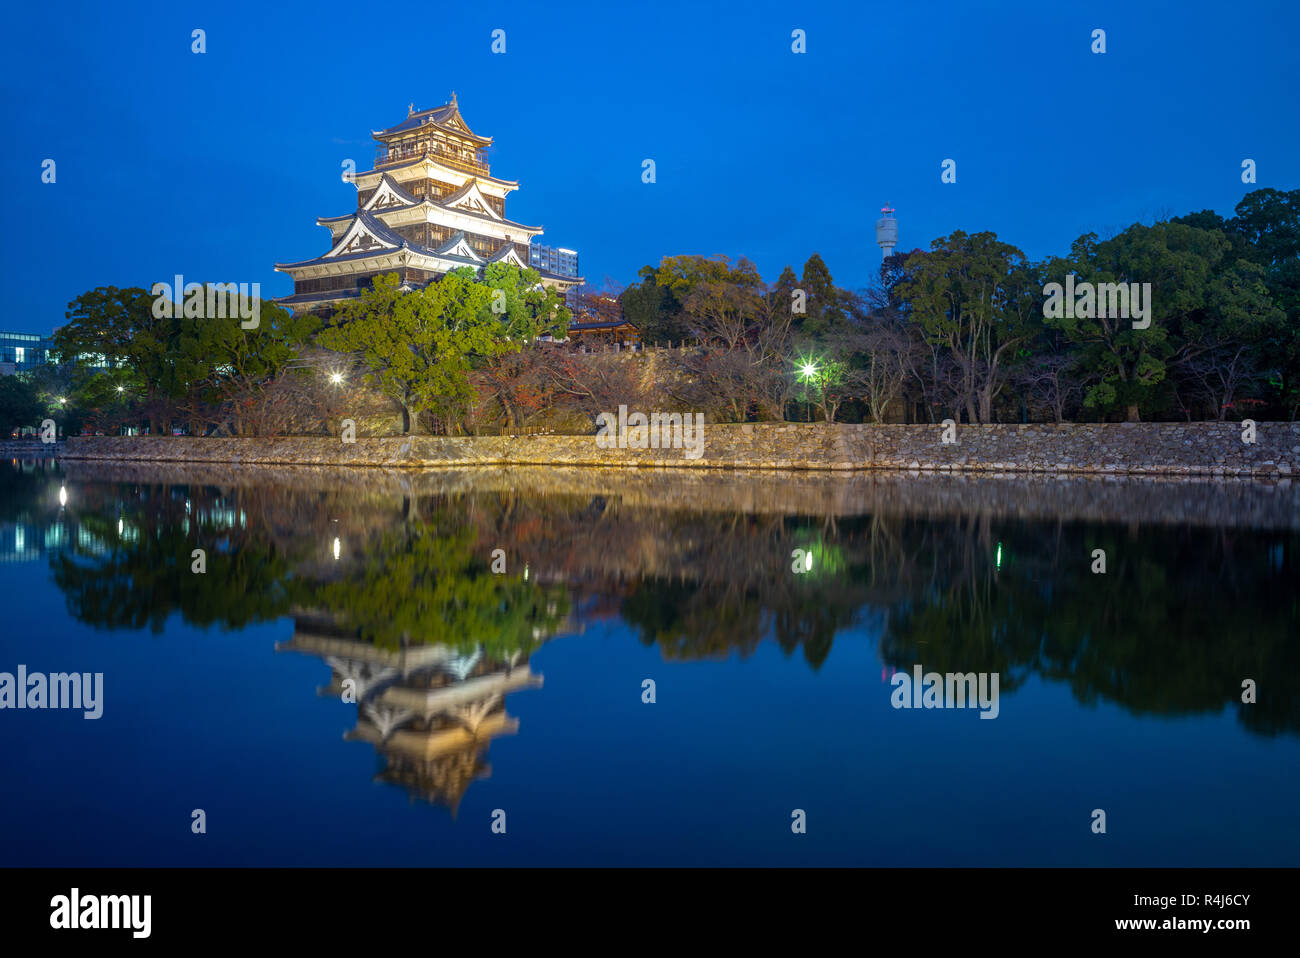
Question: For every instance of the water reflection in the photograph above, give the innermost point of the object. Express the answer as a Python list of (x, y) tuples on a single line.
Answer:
[(429, 710), (389, 581)]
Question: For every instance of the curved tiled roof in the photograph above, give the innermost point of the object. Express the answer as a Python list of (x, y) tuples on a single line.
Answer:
[(547, 274), (381, 229), (432, 158), (345, 258), (455, 197), (326, 296), (440, 116), (396, 187)]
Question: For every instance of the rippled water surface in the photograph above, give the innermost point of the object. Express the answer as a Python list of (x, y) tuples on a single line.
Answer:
[(350, 682)]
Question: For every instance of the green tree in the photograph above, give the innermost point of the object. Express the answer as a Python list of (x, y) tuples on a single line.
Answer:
[(20, 405), (654, 310), (224, 360), (657, 308), (1268, 224), (432, 586), (975, 297), (1204, 308), (117, 327), (823, 311), (419, 345), (527, 309)]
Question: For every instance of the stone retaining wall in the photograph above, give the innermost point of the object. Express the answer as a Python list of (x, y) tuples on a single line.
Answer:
[(1178, 449)]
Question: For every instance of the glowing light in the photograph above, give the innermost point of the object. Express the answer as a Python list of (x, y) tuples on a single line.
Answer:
[(62, 400), (121, 389), (997, 560), (63, 495), (809, 370), (337, 548), (120, 526), (336, 378)]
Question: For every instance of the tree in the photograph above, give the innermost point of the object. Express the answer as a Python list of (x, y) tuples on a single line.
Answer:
[(20, 405), (1222, 340), (654, 310), (1268, 223), (723, 313), (431, 585), (225, 360), (836, 374), (1206, 309), (891, 356), (526, 309), (117, 327), (418, 345), (976, 298), (822, 306), (744, 334), (657, 307)]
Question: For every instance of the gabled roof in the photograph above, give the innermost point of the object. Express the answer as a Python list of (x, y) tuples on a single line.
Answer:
[(470, 199), (366, 234), (389, 195), (459, 246), (446, 117), (507, 254)]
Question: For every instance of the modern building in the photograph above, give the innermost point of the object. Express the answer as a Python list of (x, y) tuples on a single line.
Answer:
[(562, 262), (559, 261), (20, 352), (429, 205)]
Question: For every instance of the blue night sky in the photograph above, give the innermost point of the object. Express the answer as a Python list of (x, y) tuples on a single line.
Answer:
[(215, 166)]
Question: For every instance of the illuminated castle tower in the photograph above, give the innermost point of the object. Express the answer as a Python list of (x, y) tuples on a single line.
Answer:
[(430, 205)]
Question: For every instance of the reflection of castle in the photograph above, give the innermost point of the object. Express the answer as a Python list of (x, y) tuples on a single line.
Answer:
[(429, 710)]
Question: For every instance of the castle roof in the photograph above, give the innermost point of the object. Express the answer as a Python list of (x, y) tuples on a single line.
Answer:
[(467, 200), (446, 118), (431, 158)]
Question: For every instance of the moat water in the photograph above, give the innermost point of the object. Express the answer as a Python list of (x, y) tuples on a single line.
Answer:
[(357, 676)]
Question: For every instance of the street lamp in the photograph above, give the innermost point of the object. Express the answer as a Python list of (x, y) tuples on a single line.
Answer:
[(336, 378), (808, 372)]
